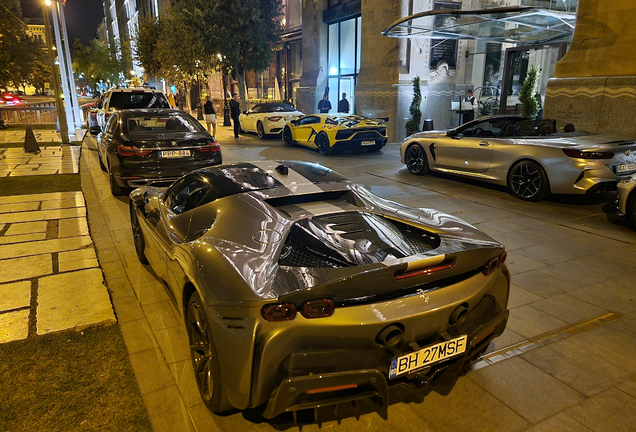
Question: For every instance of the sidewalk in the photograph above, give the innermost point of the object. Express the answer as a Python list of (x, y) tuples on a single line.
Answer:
[(45, 249)]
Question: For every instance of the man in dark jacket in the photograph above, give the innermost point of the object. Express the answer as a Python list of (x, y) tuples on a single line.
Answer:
[(235, 112), (324, 106), (343, 105)]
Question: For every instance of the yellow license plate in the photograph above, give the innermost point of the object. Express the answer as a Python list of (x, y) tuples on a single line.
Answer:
[(428, 355)]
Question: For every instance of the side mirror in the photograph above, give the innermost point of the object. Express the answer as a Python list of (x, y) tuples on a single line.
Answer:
[(151, 206)]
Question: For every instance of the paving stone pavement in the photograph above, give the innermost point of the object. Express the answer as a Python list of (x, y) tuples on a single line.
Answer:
[(567, 360), (52, 159), (14, 135), (45, 249)]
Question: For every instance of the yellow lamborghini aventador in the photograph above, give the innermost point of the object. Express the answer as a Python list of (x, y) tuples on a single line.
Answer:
[(329, 132)]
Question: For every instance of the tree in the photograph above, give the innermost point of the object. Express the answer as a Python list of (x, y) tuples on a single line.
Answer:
[(14, 43), (150, 31), (530, 107), (96, 61), (245, 32), (416, 113)]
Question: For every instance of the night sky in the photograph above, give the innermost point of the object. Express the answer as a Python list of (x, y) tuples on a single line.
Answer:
[(82, 16)]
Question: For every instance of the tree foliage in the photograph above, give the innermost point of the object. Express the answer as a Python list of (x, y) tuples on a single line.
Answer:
[(23, 61), (96, 61), (413, 124), (530, 107), (200, 35)]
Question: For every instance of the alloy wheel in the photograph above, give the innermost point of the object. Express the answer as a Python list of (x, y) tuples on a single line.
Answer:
[(260, 130), (287, 136), (201, 350), (138, 237), (416, 160), (526, 181)]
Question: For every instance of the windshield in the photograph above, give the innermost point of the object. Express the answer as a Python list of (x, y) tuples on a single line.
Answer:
[(162, 124), (128, 100)]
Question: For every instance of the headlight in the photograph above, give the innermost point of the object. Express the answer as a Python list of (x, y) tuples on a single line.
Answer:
[(627, 180)]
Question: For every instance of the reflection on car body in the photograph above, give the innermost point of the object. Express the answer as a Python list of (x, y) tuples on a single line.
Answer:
[(302, 289), (528, 156)]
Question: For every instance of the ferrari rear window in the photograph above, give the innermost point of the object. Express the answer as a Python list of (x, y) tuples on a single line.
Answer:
[(352, 239)]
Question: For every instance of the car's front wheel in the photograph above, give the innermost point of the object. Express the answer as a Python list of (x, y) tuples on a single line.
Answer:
[(260, 130), (416, 160), (204, 357), (322, 142), (528, 181), (138, 236), (287, 136)]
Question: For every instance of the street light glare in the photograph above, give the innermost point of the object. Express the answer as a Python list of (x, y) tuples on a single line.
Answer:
[(47, 2)]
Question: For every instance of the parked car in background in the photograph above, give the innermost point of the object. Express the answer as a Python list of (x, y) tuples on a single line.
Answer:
[(9, 99), (626, 197), (332, 132), (317, 294), (529, 156), (268, 118), (91, 116), (146, 147), (129, 98)]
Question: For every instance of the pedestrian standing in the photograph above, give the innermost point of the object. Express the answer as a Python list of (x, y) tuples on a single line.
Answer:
[(210, 115), (324, 106), (343, 105), (235, 111)]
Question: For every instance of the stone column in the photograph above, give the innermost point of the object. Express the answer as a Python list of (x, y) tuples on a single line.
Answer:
[(382, 59), (594, 85), (315, 36)]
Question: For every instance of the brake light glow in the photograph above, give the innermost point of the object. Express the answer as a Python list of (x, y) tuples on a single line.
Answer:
[(318, 308), (588, 155), (494, 263), (279, 312), (274, 118), (127, 151), (209, 147)]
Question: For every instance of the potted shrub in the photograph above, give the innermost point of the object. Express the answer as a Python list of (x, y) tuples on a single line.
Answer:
[(413, 125), (529, 105)]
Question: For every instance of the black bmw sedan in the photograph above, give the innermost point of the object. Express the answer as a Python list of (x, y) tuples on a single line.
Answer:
[(144, 147)]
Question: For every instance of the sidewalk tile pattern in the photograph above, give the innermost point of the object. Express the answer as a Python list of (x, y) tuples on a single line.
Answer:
[(53, 159), (49, 273)]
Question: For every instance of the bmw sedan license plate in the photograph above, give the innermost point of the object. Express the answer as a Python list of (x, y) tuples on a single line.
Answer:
[(625, 168), (368, 143), (174, 153), (428, 355)]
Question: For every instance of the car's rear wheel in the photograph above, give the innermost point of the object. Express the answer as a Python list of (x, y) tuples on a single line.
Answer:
[(322, 142), (205, 362), (138, 236), (260, 130), (528, 181), (287, 136), (416, 160), (115, 189)]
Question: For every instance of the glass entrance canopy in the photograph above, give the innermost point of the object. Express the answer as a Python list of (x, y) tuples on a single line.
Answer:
[(514, 24)]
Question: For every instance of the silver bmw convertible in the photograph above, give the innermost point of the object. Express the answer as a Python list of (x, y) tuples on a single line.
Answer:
[(530, 157), (300, 289)]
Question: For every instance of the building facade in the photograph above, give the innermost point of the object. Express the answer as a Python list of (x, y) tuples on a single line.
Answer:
[(344, 51)]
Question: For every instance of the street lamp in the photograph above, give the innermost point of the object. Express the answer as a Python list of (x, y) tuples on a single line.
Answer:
[(61, 114)]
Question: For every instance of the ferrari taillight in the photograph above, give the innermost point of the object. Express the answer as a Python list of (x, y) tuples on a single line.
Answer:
[(588, 155), (495, 263), (209, 147), (274, 118), (318, 308), (127, 151), (279, 312)]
